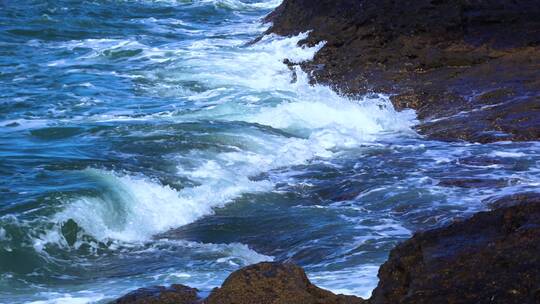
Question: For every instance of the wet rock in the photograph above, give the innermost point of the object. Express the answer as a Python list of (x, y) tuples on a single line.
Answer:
[(175, 294), (512, 200), (493, 257), (274, 283), (471, 69), (263, 283)]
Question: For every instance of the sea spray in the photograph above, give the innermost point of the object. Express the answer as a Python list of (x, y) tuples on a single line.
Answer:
[(319, 121), (149, 143)]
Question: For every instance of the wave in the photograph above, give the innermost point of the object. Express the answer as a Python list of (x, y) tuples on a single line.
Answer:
[(215, 257), (227, 4), (236, 4), (134, 208), (286, 122), (246, 84)]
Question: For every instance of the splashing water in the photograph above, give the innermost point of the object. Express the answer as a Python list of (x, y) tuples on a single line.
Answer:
[(147, 142)]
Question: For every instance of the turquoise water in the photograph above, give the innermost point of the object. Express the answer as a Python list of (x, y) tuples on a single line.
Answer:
[(147, 142)]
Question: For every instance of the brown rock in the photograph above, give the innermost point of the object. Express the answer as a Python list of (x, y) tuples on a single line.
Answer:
[(471, 69), (263, 283), (514, 199), (274, 283), (493, 257)]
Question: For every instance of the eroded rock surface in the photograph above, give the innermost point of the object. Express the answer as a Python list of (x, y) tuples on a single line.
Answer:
[(471, 69)]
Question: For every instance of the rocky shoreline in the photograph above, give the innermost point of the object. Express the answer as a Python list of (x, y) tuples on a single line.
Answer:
[(493, 257), (471, 70)]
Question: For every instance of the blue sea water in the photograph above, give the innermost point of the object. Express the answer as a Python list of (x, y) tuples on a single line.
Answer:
[(148, 142)]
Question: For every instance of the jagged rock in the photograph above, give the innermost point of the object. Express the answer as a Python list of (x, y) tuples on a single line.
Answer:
[(471, 69), (493, 257)]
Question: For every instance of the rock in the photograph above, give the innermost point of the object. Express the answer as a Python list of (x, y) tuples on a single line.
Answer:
[(493, 257), (514, 199), (471, 69), (274, 283), (175, 294), (263, 283)]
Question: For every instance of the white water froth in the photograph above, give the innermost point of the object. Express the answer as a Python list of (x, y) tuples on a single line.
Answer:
[(359, 281), (236, 4), (134, 208), (321, 123), (59, 298), (229, 4), (232, 255)]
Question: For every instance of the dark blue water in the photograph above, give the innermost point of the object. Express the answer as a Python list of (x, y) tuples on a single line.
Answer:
[(146, 142)]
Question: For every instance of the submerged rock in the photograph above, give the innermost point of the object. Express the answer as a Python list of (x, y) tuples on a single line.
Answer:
[(471, 69)]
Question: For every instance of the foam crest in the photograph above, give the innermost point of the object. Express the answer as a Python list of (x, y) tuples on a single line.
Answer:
[(319, 121), (305, 108), (259, 67), (328, 115), (133, 208), (127, 49)]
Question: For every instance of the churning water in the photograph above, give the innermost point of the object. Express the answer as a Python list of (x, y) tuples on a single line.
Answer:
[(147, 142)]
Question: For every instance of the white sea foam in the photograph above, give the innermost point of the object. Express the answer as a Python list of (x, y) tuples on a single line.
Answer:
[(236, 4), (3, 234), (58, 298), (228, 256), (259, 67), (506, 154), (106, 47), (229, 4), (134, 208), (23, 124)]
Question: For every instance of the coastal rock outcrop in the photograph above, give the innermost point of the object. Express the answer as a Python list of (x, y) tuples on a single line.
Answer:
[(263, 283), (274, 283), (471, 69), (492, 257)]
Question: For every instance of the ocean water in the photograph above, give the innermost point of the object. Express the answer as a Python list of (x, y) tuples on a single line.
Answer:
[(148, 142)]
